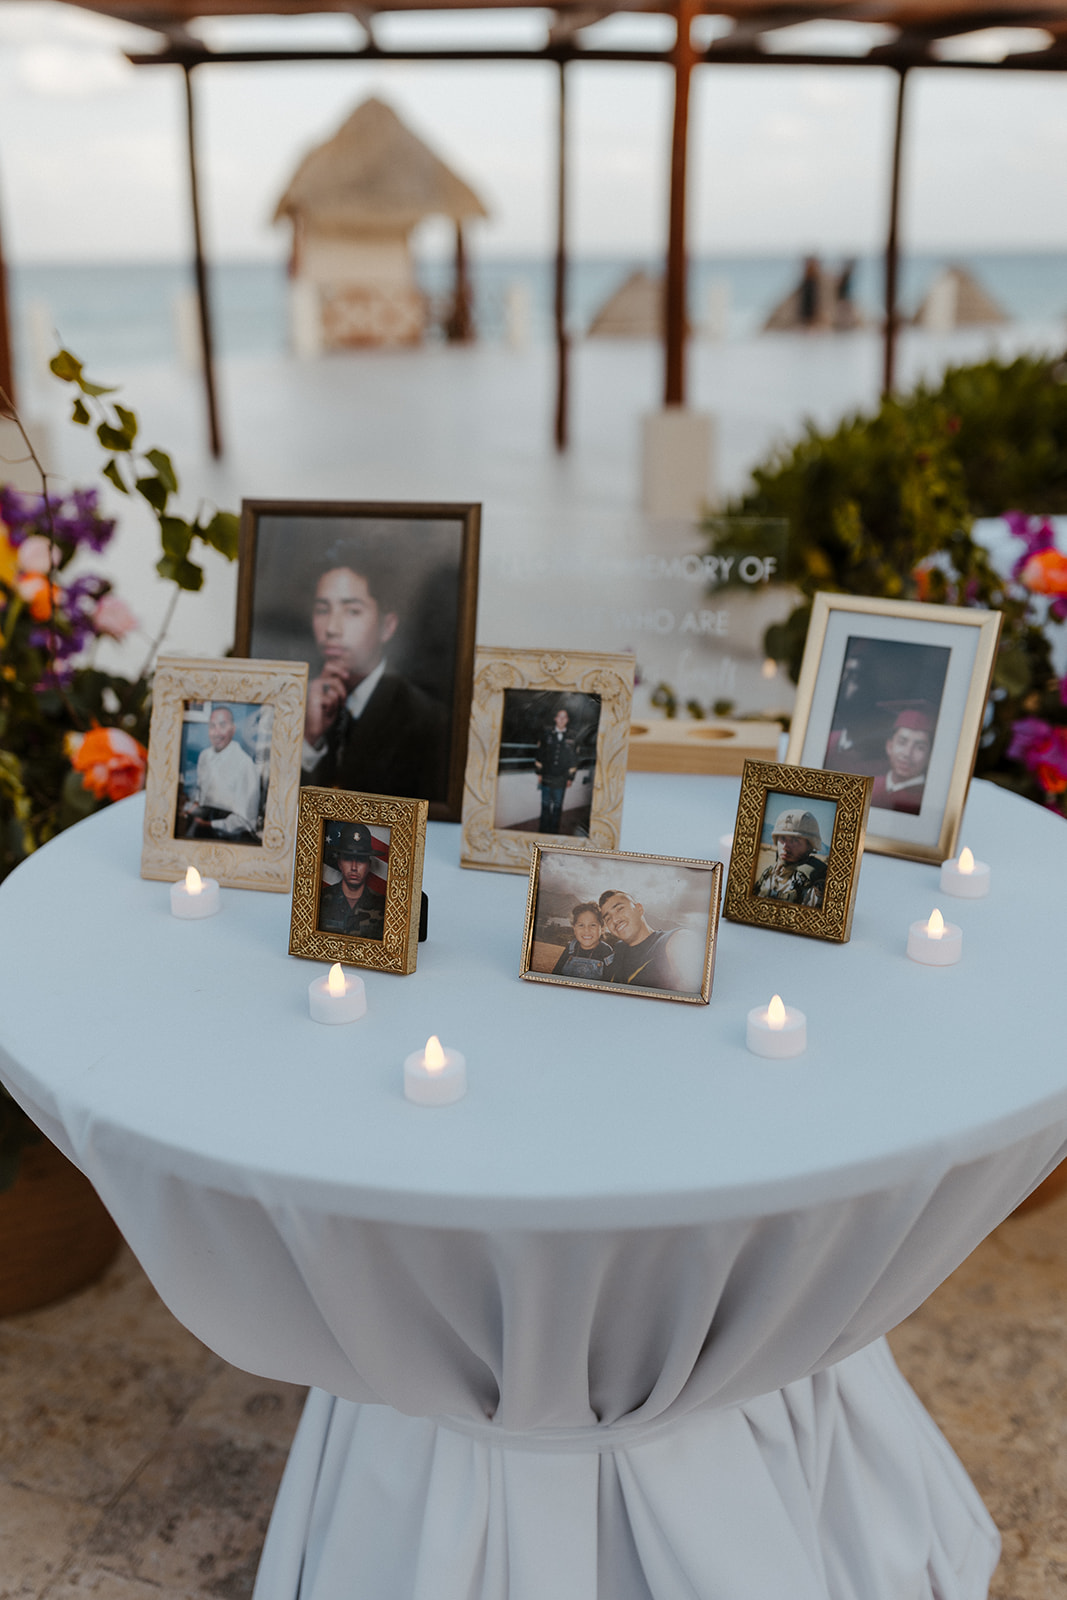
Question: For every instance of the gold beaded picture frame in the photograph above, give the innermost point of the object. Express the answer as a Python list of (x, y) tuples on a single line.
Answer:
[(798, 843), (358, 879), (546, 754), (224, 771)]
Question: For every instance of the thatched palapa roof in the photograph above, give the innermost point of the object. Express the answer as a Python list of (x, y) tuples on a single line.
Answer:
[(374, 176)]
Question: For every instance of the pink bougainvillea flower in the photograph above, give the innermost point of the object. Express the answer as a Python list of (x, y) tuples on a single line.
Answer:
[(35, 554), (1042, 749), (113, 617), (112, 762)]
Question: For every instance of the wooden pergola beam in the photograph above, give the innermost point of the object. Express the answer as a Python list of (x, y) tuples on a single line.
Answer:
[(675, 310)]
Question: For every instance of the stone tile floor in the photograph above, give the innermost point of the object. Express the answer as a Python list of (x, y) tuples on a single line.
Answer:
[(137, 1465)]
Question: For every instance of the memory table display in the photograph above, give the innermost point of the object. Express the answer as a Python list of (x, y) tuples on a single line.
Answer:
[(609, 1327)]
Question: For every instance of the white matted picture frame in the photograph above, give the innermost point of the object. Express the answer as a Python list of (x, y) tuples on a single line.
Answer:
[(547, 753), (224, 771), (896, 690), (622, 922), (358, 881)]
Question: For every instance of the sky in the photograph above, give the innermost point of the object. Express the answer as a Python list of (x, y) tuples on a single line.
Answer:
[(782, 160)]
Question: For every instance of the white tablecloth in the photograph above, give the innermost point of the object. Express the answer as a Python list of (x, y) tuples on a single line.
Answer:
[(609, 1328)]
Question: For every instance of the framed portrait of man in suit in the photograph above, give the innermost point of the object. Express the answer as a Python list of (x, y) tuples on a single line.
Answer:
[(380, 600)]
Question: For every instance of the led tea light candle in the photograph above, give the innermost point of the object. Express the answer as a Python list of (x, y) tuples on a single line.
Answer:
[(965, 877), (936, 943), (435, 1076), (776, 1031), (194, 896), (337, 997)]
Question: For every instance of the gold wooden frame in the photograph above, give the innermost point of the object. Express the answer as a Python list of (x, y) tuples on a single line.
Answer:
[(942, 829), (852, 795), (496, 670), (281, 684), (687, 997), (468, 516), (397, 949)]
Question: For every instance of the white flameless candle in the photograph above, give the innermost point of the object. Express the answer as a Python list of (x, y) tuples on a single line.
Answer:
[(965, 877), (435, 1076), (337, 998), (194, 896), (936, 943), (776, 1030)]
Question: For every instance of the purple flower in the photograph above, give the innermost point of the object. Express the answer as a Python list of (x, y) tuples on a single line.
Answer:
[(1035, 532)]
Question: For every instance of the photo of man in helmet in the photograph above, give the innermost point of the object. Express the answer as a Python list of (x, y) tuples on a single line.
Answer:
[(797, 873), (355, 904)]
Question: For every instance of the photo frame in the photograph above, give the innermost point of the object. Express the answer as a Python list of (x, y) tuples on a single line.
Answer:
[(547, 752), (224, 771), (622, 922), (358, 879), (797, 846), (379, 599), (897, 690)]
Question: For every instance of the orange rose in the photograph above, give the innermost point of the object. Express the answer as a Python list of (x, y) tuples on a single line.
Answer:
[(111, 762), (41, 597), (1046, 573)]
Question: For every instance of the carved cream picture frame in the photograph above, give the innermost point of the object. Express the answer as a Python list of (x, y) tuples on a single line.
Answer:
[(558, 675), (179, 682)]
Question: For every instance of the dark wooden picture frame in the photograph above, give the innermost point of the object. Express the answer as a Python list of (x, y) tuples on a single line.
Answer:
[(402, 579)]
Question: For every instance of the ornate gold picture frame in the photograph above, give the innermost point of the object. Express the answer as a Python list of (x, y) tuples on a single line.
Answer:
[(897, 689), (224, 771), (358, 880), (622, 922), (546, 754), (798, 842)]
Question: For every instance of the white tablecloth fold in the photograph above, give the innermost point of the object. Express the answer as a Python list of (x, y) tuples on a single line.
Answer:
[(837, 1487)]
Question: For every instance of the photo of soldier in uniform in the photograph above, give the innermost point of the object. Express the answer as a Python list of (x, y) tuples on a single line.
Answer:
[(624, 922), (355, 873), (794, 847), (380, 603), (224, 772), (880, 678), (547, 761)]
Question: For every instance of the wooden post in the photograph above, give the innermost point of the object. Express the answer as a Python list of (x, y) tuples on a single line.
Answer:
[(206, 341), (562, 338), (674, 310), (7, 355), (892, 246), (459, 329)]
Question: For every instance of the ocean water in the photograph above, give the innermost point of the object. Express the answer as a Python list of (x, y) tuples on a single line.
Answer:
[(129, 314)]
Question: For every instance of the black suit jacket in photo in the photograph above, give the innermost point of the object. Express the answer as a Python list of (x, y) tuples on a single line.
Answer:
[(398, 746)]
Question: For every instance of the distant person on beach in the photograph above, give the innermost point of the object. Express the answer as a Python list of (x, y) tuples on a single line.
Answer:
[(808, 295), (846, 316), (365, 727)]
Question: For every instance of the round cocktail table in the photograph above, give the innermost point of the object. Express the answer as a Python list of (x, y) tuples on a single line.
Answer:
[(609, 1328)]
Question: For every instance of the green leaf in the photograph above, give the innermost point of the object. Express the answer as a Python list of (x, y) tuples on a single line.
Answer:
[(176, 537), (112, 473), (186, 574), (128, 420), (80, 414), (112, 438), (153, 491), (162, 463), (95, 389), (222, 533), (66, 367)]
